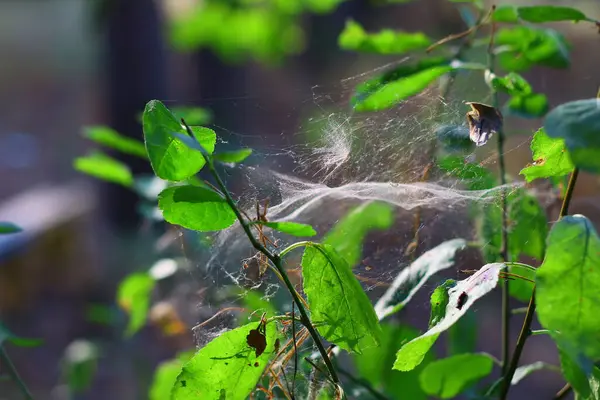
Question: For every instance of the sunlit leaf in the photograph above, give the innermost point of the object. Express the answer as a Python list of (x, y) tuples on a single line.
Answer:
[(513, 84), (110, 138), (413, 277), (506, 13), (170, 158), (133, 296), (291, 228), (533, 105), (101, 166), (387, 41), (8, 227), (519, 288), (348, 235), (525, 370), (454, 137), (226, 368), (233, 156), (578, 123), (196, 208), (550, 14), (193, 115), (337, 301), (79, 365), (460, 298), (567, 284), (550, 158), (450, 376), (475, 176), (165, 376)]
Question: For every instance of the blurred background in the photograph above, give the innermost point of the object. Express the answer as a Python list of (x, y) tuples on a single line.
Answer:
[(259, 69)]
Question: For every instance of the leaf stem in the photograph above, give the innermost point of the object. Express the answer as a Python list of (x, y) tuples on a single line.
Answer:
[(564, 210), (562, 393), (274, 258), (12, 371)]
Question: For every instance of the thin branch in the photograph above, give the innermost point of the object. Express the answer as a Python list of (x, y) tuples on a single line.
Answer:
[(12, 371), (562, 393)]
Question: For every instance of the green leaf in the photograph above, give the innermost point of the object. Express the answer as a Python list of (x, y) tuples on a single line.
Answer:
[(337, 301), (193, 115), (450, 376), (454, 137), (413, 277), (581, 373), (578, 123), (233, 156), (460, 298), (550, 158), (539, 14), (170, 158), (567, 285), (348, 235), (473, 175), (291, 228), (196, 208), (506, 13), (513, 84), (528, 106), (101, 166), (79, 365), (521, 289), (110, 138), (227, 367), (9, 227), (8, 336), (524, 370), (166, 374), (375, 364), (387, 41), (133, 296)]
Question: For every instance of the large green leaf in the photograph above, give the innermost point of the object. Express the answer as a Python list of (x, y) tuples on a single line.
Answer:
[(196, 208), (450, 376), (171, 159), (347, 235), (550, 158), (473, 175), (567, 285), (460, 298), (227, 367), (133, 295), (110, 138), (550, 14), (165, 376), (581, 373), (8, 228), (291, 228), (337, 301), (387, 41), (578, 123), (101, 166), (233, 156), (413, 277)]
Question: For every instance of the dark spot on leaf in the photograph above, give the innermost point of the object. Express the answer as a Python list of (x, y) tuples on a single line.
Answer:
[(277, 344), (462, 299), (183, 383), (257, 341), (256, 364)]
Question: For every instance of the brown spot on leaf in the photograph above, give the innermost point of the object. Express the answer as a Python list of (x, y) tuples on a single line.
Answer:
[(257, 341), (256, 364)]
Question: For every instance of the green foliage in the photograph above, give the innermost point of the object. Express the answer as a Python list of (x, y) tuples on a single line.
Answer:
[(291, 228), (101, 166), (8, 336), (387, 41), (110, 138), (473, 175), (582, 374), (170, 158), (524, 102), (228, 367), (550, 158), (454, 137), (521, 289), (133, 296), (8, 228), (196, 208), (578, 123), (538, 14), (166, 374), (79, 365), (567, 283), (348, 235), (193, 115), (233, 156), (450, 376), (337, 301)]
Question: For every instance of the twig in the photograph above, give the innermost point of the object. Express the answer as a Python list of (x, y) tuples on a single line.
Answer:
[(12, 371), (274, 258), (562, 393)]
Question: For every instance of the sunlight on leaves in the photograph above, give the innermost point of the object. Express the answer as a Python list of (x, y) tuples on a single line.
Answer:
[(337, 301), (525, 370), (450, 376), (291, 228), (567, 282), (165, 376), (133, 296), (8, 228), (233, 156), (387, 41), (170, 158), (226, 368), (110, 138), (348, 235), (550, 158), (196, 208), (460, 298), (101, 166), (193, 115)]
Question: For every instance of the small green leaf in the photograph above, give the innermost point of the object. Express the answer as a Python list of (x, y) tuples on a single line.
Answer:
[(533, 105), (513, 84), (524, 370), (291, 228), (473, 175), (110, 138), (133, 296), (550, 158), (506, 13), (578, 123), (196, 208), (170, 158), (413, 277), (8, 227), (79, 365), (460, 298), (387, 41), (348, 234), (8, 336), (227, 367), (454, 137), (539, 14), (337, 301), (567, 282), (193, 115), (101, 166), (166, 374), (233, 156), (448, 377)]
